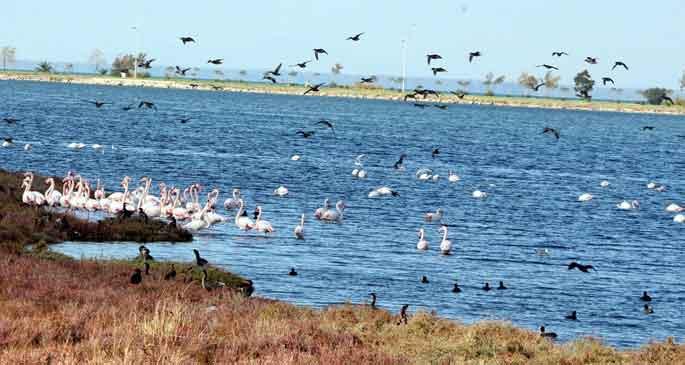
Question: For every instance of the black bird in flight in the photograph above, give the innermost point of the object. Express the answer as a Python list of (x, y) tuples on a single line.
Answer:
[(318, 51), (305, 134), (538, 86), (97, 103), (581, 267), (648, 128), (182, 71), (436, 70), (419, 105), (10, 120), (433, 56), (301, 64), (276, 71), (583, 94), (473, 55), (147, 104), (314, 88), (441, 106), (607, 79), (591, 60), (435, 152), (185, 120), (555, 132), (194, 86), (619, 63), (355, 38), (187, 40), (559, 54), (217, 87), (146, 64), (667, 98), (328, 124), (399, 164), (216, 61), (199, 261), (549, 67), (410, 96), (459, 94), (270, 78), (426, 92), (128, 107), (369, 80)]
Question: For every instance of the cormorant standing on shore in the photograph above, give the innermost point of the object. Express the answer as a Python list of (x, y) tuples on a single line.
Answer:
[(136, 278)]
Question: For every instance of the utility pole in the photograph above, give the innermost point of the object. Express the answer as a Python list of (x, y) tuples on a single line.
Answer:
[(405, 47), (135, 56)]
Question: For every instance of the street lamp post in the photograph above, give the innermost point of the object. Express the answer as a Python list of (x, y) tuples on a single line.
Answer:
[(135, 56), (405, 47)]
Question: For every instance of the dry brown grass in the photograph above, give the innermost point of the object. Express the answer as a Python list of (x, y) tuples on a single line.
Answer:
[(74, 312)]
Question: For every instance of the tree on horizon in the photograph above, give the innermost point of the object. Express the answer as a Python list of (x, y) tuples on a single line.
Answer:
[(584, 83), (97, 58), (45, 66)]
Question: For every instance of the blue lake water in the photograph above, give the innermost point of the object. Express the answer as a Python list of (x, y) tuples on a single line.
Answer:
[(533, 181)]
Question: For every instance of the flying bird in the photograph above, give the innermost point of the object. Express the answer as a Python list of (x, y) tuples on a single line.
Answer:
[(146, 64), (581, 267), (305, 134), (433, 56), (217, 87), (619, 63), (368, 79), (314, 88), (187, 40), (553, 131), (419, 105), (270, 78), (328, 124), (459, 94), (216, 61), (276, 71), (355, 38), (647, 128), (318, 51), (559, 54), (147, 104), (607, 79), (301, 64), (473, 55), (182, 71), (185, 120), (426, 92), (194, 86), (440, 106), (410, 96), (591, 60), (128, 107), (538, 86), (584, 94), (436, 70), (549, 67), (667, 98), (10, 120), (97, 103)]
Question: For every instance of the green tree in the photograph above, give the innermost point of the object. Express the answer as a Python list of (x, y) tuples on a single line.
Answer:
[(46, 67), (9, 56), (655, 95), (97, 58), (584, 83)]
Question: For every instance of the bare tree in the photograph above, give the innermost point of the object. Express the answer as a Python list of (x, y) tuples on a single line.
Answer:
[(169, 72), (219, 74), (551, 81), (528, 81), (97, 58), (464, 84), (9, 56)]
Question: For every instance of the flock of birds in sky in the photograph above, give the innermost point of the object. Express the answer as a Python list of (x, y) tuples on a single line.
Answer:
[(185, 206)]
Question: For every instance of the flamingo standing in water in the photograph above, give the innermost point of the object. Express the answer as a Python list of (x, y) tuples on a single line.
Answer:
[(242, 220), (178, 212), (261, 225), (334, 216), (422, 244), (211, 216), (149, 206), (445, 244), (299, 230), (234, 202), (320, 211)]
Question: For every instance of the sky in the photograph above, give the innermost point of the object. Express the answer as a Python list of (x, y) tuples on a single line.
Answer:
[(514, 36)]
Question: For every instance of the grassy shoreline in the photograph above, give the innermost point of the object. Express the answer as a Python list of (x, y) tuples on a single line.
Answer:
[(54, 309), (346, 92)]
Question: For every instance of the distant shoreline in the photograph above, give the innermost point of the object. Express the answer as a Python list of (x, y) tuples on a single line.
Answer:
[(346, 92)]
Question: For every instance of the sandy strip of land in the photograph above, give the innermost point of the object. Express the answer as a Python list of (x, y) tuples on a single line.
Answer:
[(347, 92)]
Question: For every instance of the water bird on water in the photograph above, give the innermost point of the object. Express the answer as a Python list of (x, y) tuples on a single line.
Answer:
[(604, 183), (171, 274), (434, 216), (261, 225), (136, 277), (581, 267), (487, 287), (98, 104), (185, 120), (281, 191), (435, 152), (147, 104), (199, 261), (318, 213), (424, 280), (334, 216), (305, 134), (544, 334), (628, 205), (382, 191), (423, 243), (10, 120), (356, 37), (553, 131), (645, 297), (452, 177), (648, 128), (299, 230), (648, 309), (585, 197), (445, 244), (441, 106), (242, 221), (399, 165), (456, 288), (328, 124), (501, 286), (7, 142), (573, 316), (292, 272)]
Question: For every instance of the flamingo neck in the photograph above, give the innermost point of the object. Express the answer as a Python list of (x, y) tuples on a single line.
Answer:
[(444, 234)]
